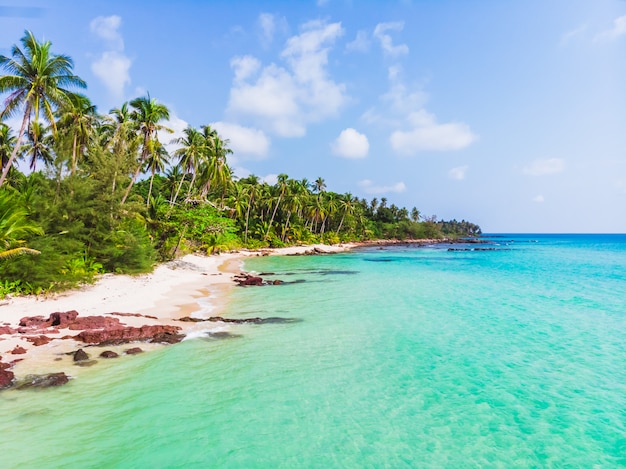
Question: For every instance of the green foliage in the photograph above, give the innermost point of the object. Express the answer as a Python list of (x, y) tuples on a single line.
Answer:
[(102, 203)]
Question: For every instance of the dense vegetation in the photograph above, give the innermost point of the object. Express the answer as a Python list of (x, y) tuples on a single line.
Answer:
[(103, 194)]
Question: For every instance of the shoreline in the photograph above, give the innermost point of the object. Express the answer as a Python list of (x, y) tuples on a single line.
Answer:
[(194, 286)]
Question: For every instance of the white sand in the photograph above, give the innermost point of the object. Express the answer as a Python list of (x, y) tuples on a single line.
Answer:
[(190, 286)]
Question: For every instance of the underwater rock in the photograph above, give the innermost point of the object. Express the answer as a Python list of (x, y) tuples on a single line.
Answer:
[(44, 381)]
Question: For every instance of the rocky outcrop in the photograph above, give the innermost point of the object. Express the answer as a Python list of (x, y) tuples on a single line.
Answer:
[(80, 355), (38, 340), (6, 376), (66, 320), (133, 351), (6, 330), (17, 350), (247, 280), (94, 322), (43, 381), (124, 335), (109, 354)]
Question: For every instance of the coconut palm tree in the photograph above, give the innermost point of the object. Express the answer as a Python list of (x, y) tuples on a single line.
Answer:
[(191, 153), (39, 145), (147, 114), (7, 142), (37, 82), (281, 186), (156, 162), (347, 205), (78, 118)]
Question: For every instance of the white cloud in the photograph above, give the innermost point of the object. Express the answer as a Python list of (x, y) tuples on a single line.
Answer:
[(544, 167), (350, 144), (360, 44), (399, 98), (269, 25), (539, 199), (244, 140), (284, 100), (618, 30), (270, 179), (458, 173), (266, 23), (176, 124), (428, 135), (112, 67), (370, 188), (244, 67), (106, 27), (385, 39)]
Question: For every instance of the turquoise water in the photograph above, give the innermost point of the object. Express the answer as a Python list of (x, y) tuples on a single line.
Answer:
[(404, 357)]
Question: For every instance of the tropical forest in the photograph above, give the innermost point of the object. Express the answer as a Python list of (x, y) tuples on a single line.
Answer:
[(84, 193)]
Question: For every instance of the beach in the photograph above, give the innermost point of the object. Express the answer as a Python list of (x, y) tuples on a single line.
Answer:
[(193, 286)]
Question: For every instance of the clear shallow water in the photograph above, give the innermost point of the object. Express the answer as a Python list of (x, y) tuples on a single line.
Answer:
[(404, 358)]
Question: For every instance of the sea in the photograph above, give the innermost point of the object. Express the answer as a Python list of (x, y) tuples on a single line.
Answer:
[(507, 354)]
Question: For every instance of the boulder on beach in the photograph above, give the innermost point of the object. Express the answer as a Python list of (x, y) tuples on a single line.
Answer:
[(80, 355), (17, 350), (109, 354), (133, 351)]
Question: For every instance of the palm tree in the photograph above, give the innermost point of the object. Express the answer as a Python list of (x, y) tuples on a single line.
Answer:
[(156, 162), (147, 114), (252, 190), (36, 81), (282, 186), (78, 117), (347, 204), (7, 142), (190, 156), (415, 214), (14, 224), (39, 145)]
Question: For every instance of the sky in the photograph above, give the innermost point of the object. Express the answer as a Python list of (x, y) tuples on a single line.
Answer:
[(510, 114)]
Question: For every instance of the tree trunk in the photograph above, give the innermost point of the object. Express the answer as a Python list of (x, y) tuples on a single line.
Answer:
[(132, 182), (150, 190), (6, 169), (273, 215), (74, 155)]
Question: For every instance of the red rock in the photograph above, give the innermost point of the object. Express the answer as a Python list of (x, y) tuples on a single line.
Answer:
[(62, 320), (94, 322), (109, 354), (32, 321), (6, 330), (18, 350), (6, 376), (38, 340), (133, 351), (122, 335)]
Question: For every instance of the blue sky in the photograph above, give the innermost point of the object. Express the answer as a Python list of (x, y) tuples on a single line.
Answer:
[(511, 114)]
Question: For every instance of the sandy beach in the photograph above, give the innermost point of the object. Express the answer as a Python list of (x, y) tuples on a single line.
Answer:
[(193, 285)]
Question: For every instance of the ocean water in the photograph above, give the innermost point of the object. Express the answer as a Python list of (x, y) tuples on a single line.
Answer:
[(402, 357)]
